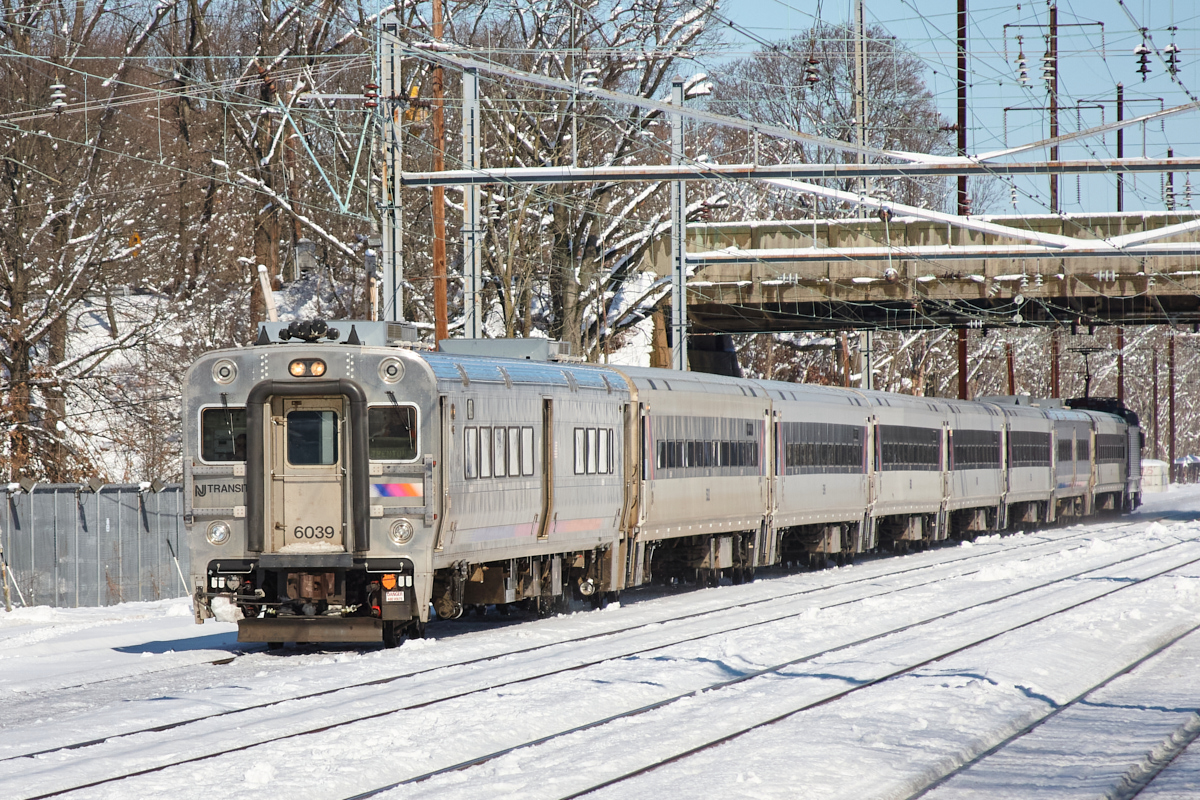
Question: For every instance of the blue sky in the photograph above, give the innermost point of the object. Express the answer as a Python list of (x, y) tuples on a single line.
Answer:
[(1093, 58)]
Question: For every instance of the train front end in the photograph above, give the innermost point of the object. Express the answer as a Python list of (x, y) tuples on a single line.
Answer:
[(308, 473)]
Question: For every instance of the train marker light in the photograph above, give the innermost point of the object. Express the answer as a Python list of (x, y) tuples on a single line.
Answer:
[(391, 370), (307, 368), (224, 371), (401, 531), (218, 532)]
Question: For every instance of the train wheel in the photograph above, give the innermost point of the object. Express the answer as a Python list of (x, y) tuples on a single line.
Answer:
[(393, 634)]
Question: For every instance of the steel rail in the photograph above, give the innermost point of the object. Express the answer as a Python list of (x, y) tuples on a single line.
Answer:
[(1048, 542), (1157, 762), (571, 668), (872, 682)]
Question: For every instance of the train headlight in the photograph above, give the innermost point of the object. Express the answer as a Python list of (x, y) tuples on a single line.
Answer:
[(307, 368), (218, 532), (391, 370), (401, 531), (224, 371)]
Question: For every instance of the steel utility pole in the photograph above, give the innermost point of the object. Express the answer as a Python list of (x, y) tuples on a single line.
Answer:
[(441, 326), (860, 86), (679, 355), (472, 231), (963, 205), (391, 302), (1120, 146), (860, 129), (1052, 66), (1171, 403)]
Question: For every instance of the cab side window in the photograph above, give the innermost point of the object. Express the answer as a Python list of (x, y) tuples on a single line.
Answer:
[(392, 433)]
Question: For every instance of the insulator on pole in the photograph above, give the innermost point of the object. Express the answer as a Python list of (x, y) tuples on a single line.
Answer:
[(1143, 53)]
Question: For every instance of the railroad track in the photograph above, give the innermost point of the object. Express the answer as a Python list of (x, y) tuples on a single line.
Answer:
[(775, 669), (1138, 777), (954, 558), (585, 663)]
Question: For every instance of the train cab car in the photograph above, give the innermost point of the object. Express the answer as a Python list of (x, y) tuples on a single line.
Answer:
[(309, 485), (337, 483)]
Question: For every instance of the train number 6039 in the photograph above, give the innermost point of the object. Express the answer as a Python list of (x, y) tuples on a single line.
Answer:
[(313, 532)]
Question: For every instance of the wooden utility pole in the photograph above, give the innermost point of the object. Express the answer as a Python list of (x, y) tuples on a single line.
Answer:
[(440, 313)]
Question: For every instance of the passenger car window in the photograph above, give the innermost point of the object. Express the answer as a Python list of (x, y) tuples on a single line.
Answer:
[(485, 452), (498, 452), (471, 451), (514, 452), (526, 451)]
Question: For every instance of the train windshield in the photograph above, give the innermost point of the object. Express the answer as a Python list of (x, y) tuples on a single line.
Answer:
[(312, 437), (223, 434), (392, 431)]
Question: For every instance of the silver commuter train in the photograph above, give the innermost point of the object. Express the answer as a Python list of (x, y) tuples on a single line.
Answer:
[(340, 482)]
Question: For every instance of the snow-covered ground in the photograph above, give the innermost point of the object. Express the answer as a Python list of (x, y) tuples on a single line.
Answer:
[(1056, 663)]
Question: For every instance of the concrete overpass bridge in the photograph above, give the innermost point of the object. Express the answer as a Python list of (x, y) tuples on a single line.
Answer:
[(1132, 268)]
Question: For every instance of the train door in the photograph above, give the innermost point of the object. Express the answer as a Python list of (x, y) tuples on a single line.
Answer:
[(308, 458), (780, 470), (547, 512), (942, 530), (648, 465)]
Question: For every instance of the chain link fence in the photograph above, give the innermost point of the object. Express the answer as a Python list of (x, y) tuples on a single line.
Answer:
[(68, 546)]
